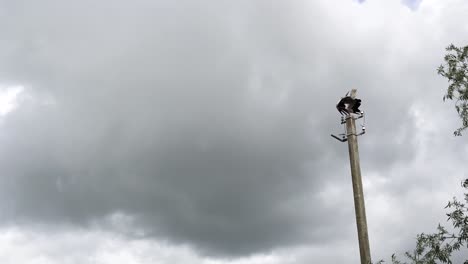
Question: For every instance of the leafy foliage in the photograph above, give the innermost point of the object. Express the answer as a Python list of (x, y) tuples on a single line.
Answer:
[(456, 72)]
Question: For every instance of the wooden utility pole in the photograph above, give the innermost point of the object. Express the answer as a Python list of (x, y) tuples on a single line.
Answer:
[(359, 206)]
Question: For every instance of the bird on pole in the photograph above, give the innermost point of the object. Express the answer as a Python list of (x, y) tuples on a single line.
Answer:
[(348, 105)]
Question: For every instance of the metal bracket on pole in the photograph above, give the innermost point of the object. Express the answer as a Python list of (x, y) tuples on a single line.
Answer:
[(344, 136), (342, 139)]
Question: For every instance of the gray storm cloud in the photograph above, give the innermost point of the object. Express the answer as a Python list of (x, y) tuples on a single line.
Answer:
[(170, 113), (209, 123)]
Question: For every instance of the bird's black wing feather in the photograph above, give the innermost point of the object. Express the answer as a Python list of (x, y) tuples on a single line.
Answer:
[(356, 106)]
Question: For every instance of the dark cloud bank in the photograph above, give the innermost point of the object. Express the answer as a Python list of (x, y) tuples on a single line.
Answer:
[(209, 123)]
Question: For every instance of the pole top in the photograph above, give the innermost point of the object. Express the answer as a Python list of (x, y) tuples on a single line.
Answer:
[(353, 93)]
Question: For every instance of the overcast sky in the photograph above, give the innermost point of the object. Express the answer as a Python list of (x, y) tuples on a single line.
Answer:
[(199, 131)]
